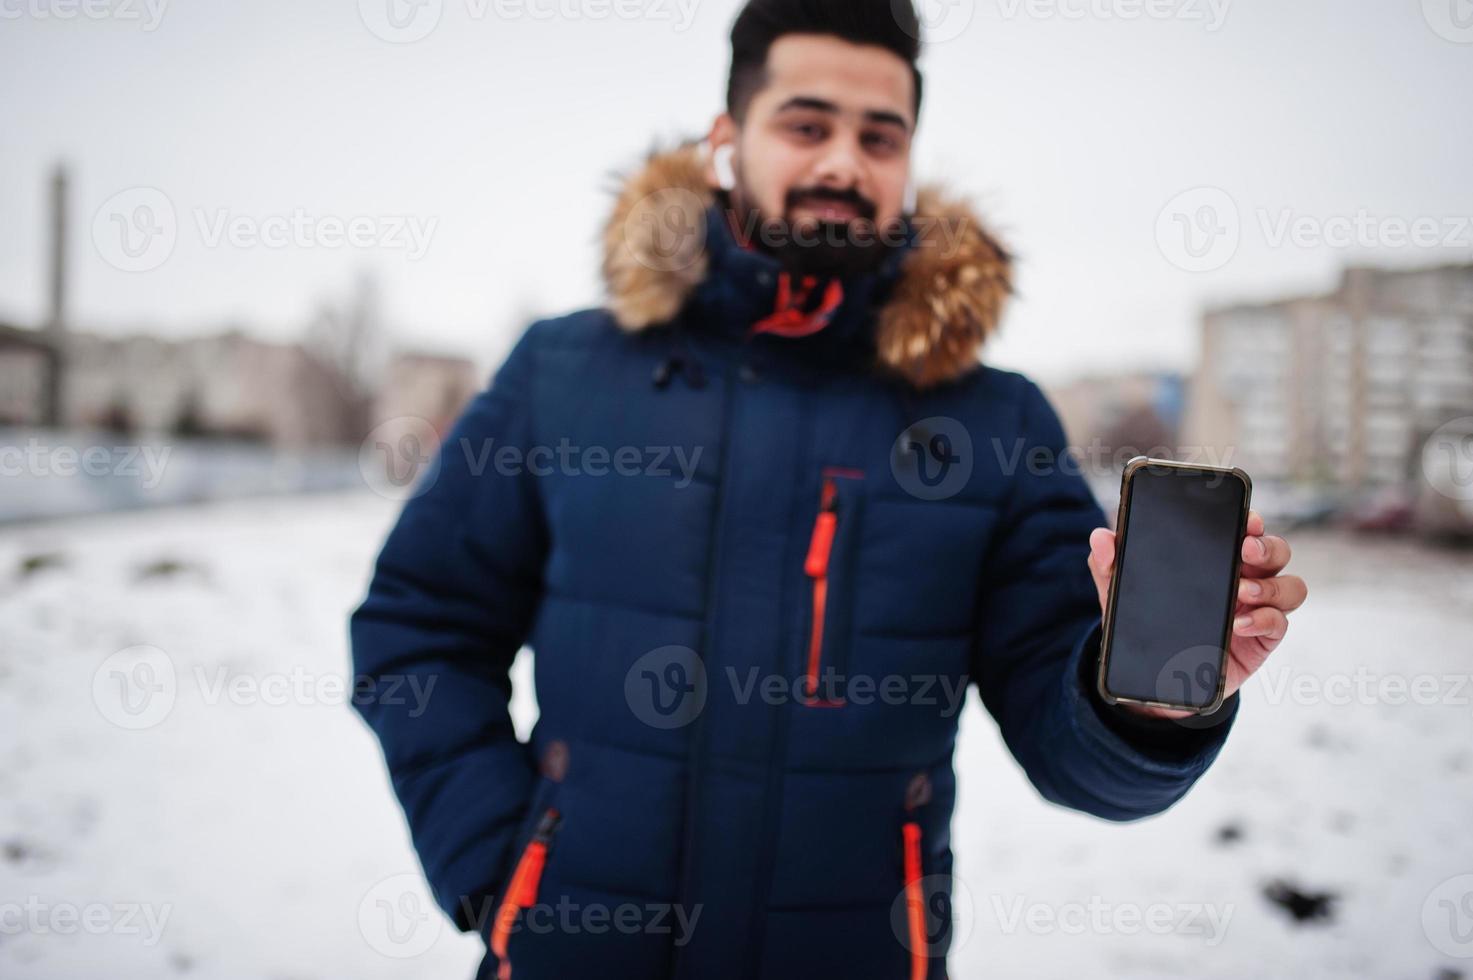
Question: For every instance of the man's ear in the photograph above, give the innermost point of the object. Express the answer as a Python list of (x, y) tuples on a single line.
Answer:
[(720, 143)]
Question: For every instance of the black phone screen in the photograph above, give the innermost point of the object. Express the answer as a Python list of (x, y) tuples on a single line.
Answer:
[(1176, 587)]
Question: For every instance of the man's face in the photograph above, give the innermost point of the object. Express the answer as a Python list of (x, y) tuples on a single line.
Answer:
[(825, 147)]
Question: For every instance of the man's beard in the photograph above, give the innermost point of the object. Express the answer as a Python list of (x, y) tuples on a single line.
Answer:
[(826, 249)]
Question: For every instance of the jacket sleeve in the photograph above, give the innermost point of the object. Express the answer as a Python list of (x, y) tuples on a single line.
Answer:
[(451, 601), (1037, 648)]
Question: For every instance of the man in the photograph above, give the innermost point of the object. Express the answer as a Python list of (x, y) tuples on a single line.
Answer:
[(750, 519)]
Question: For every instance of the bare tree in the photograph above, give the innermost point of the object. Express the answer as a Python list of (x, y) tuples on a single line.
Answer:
[(346, 342)]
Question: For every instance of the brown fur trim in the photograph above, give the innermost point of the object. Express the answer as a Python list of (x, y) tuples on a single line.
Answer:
[(949, 299)]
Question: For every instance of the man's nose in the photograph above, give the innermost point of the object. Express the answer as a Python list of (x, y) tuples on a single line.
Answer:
[(840, 167)]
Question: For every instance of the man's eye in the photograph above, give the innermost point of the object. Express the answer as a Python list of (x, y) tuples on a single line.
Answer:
[(879, 141), (808, 130)]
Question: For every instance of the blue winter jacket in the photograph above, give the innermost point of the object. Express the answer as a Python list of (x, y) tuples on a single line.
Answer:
[(757, 571)]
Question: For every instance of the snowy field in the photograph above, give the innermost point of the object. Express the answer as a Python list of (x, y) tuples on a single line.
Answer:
[(238, 823)]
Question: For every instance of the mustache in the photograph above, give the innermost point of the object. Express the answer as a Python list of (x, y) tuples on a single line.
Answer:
[(862, 205)]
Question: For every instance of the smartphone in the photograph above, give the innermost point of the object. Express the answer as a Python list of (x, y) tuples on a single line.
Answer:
[(1169, 615)]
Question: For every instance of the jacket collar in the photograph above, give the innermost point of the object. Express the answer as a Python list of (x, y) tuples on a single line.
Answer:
[(923, 315)]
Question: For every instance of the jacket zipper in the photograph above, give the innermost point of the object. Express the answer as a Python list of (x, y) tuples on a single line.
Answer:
[(820, 548), (696, 742), (521, 892)]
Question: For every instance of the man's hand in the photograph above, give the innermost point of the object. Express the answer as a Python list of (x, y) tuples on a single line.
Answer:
[(1265, 598)]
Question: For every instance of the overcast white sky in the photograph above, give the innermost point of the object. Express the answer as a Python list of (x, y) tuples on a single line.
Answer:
[(1071, 122)]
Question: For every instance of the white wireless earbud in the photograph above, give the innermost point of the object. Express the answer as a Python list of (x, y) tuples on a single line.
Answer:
[(721, 160)]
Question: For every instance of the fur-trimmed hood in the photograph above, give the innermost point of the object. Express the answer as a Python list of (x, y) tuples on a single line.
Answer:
[(947, 301)]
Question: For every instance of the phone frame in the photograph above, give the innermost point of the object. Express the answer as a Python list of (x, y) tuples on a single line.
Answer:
[(1106, 636)]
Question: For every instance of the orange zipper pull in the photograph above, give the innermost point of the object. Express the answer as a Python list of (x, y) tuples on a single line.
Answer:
[(822, 541), (915, 903), (534, 859), (522, 891)]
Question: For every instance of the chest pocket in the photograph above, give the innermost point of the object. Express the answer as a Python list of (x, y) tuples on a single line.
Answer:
[(892, 584), (919, 565)]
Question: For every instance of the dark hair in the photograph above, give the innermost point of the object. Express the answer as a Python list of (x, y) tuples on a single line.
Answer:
[(890, 24)]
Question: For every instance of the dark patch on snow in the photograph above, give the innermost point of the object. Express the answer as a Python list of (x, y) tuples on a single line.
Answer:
[(32, 564), (181, 962), (1448, 974), (167, 568), (1303, 906), (23, 853), (1229, 833), (164, 569)]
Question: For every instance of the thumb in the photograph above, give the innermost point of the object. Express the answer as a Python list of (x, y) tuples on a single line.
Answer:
[(1102, 561)]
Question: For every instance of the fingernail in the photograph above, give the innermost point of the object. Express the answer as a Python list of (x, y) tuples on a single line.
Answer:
[(1262, 548), (1252, 589), (1242, 622)]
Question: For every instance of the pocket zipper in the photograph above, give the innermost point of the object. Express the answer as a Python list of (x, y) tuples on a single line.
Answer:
[(915, 902), (917, 795), (816, 566), (521, 891)]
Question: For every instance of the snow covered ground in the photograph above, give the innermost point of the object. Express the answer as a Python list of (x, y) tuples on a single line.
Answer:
[(238, 823)]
